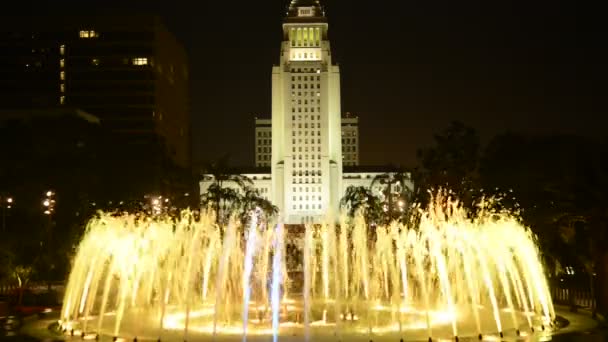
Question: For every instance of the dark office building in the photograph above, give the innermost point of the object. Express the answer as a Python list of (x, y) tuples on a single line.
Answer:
[(128, 71)]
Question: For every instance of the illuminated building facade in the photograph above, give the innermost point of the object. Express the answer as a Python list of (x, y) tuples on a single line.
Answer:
[(307, 142), (350, 141), (306, 119), (263, 142)]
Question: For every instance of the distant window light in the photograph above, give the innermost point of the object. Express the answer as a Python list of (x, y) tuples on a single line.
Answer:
[(95, 61), (62, 49), (62, 88), (140, 61), (88, 34), (62, 63), (62, 75), (61, 99)]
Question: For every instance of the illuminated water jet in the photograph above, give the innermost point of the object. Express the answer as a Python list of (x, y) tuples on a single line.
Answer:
[(448, 276)]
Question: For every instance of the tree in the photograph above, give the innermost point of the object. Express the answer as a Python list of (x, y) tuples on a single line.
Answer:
[(221, 198), (251, 201), (395, 190), (361, 199), (451, 163), (558, 185)]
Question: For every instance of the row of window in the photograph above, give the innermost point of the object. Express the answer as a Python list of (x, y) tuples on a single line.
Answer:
[(307, 156), (314, 56), (312, 141), (349, 141), (307, 198), (312, 125), (305, 70), (306, 117), (293, 102), (312, 86), (349, 149), (264, 134), (299, 149), (306, 189), (305, 78), (88, 34), (264, 149), (306, 125), (312, 206), (311, 94), (305, 102), (299, 165), (299, 110), (312, 133), (307, 173), (307, 181), (264, 157), (264, 141)]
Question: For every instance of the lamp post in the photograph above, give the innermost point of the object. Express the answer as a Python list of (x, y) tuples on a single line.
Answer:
[(48, 204), (7, 203)]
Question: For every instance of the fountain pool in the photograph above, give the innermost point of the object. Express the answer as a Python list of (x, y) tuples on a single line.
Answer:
[(448, 276)]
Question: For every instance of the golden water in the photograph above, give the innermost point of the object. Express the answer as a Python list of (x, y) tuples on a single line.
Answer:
[(447, 275)]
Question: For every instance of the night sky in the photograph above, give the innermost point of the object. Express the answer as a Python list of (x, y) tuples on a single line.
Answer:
[(408, 68)]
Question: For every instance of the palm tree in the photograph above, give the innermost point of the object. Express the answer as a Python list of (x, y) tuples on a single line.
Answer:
[(360, 198), (394, 188), (218, 194), (252, 201), (221, 199)]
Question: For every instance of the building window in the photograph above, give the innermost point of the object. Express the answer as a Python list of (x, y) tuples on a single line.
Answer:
[(62, 75), (88, 34), (140, 61), (95, 61), (62, 63), (61, 99)]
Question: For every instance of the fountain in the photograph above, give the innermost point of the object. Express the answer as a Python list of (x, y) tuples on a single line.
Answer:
[(447, 276)]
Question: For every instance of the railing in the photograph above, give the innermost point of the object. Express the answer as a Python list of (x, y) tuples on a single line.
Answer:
[(581, 298), (6, 289)]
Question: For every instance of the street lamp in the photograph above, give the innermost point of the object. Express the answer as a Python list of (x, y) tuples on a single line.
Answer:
[(49, 203), (6, 203)]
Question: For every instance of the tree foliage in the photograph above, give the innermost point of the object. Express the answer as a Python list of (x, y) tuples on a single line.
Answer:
[(361, 199), (451, 163), (241, 198), (397, 196), (559, 185)]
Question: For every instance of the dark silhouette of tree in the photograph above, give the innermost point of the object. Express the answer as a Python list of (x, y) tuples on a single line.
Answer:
[(241, 198), (361, 199), (559, 186), (221, 198), (397, 195), (252, 201), (451, 163)]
